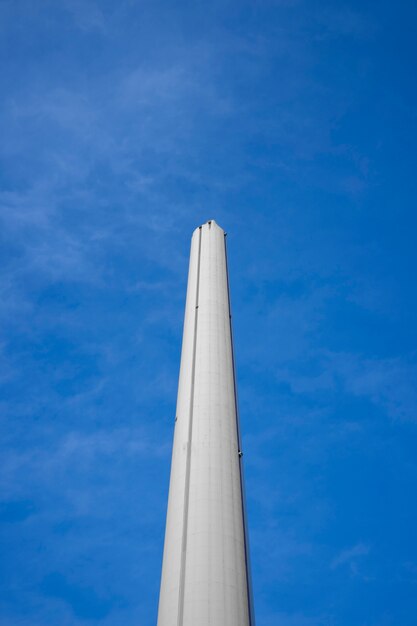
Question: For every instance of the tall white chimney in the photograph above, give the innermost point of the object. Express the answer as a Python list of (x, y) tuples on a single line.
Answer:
[(205, 573)]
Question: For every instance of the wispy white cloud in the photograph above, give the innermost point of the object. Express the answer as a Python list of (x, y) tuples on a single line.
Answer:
[(389, 383), (78, 450), (351, 558), (88, 16)]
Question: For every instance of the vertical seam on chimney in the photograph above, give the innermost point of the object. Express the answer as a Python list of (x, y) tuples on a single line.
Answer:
[(239, 447), (189, 441)]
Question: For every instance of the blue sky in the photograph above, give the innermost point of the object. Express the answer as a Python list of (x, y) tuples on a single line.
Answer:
[(125, 125)]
